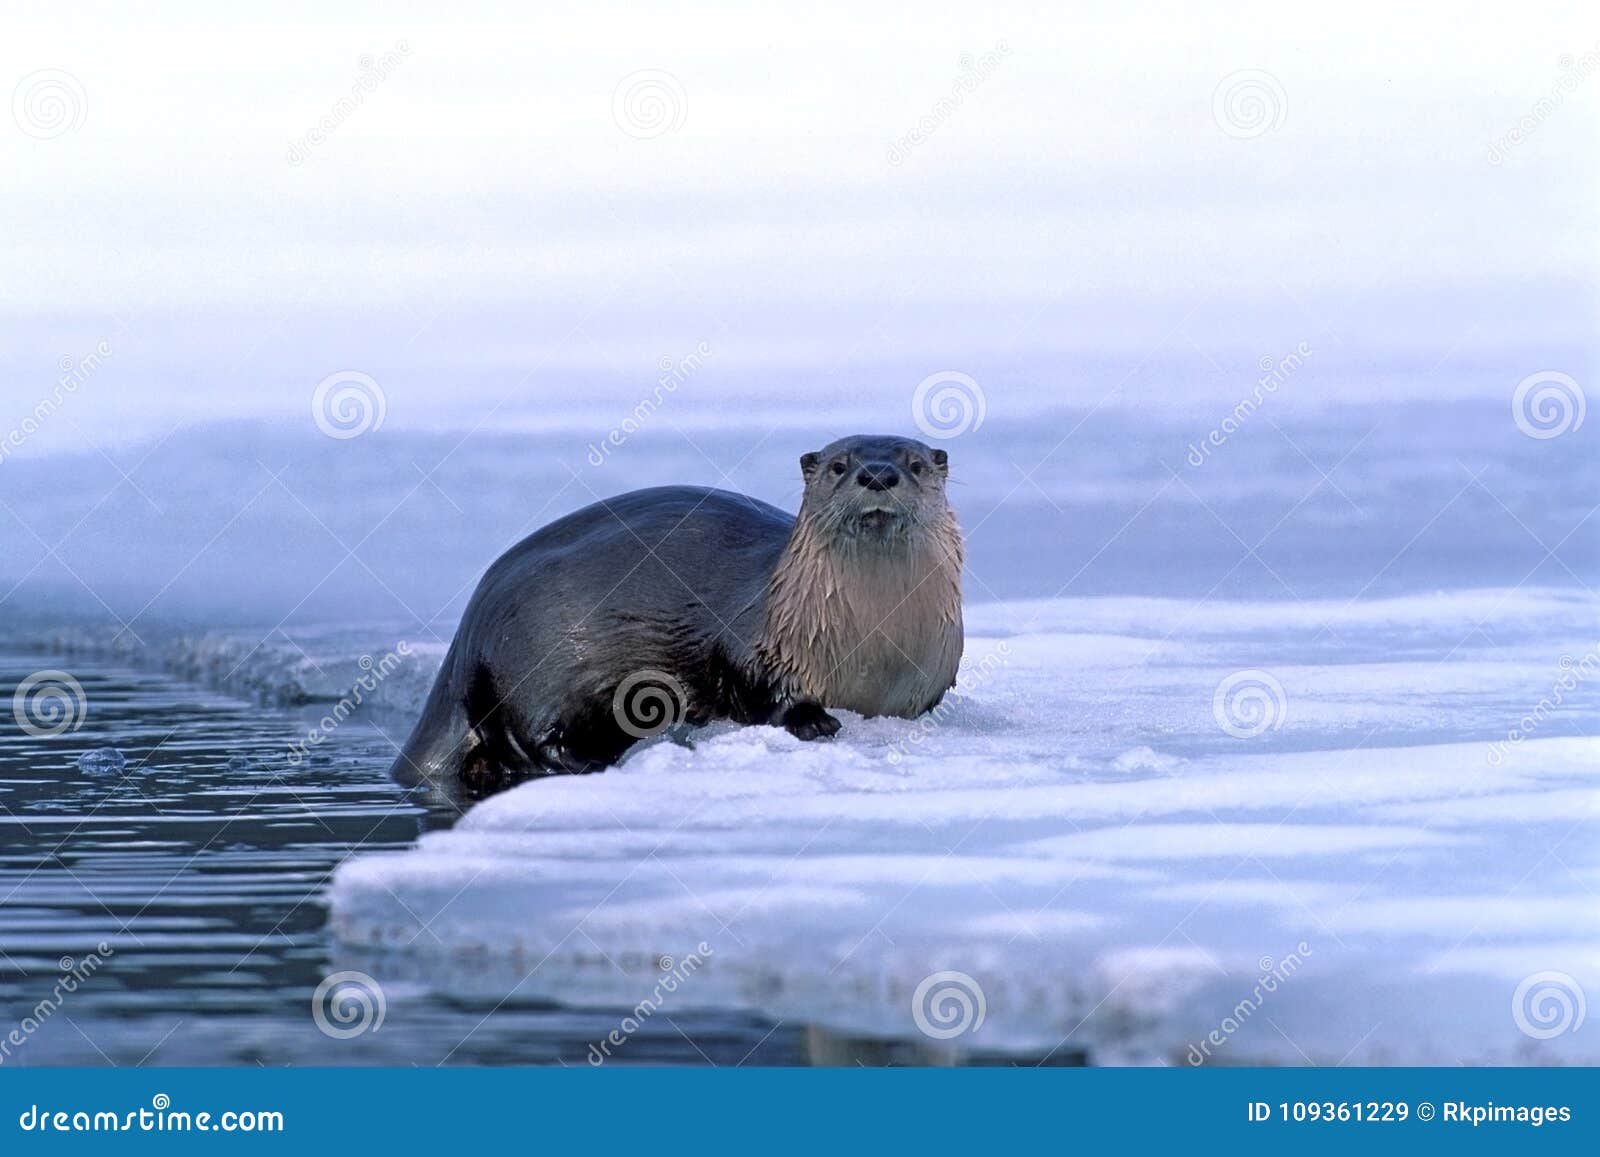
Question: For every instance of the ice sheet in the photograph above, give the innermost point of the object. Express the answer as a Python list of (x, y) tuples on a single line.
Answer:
[(1117, 859)]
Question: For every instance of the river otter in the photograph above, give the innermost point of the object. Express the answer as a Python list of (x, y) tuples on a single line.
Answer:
[(685, 603)]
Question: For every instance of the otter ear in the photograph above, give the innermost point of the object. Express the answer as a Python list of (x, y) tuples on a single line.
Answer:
[(808, 465), (941, 459)]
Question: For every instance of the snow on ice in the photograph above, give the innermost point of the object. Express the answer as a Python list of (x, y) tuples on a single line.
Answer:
[(1363, 865)]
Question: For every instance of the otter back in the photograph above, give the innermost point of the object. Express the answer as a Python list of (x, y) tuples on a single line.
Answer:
[(688, 604)]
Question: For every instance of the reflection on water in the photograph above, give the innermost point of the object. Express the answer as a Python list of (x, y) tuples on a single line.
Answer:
[(200, 867)]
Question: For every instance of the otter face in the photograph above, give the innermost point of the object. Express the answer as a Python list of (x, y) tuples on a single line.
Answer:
[(874, 486)]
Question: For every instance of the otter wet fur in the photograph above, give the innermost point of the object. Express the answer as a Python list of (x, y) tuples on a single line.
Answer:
[(686, 604)]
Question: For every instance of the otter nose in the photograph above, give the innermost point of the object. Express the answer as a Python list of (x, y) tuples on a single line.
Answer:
[(878, 476)]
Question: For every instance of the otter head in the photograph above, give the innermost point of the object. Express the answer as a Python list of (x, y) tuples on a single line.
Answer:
[(864, 607), (875, 488)]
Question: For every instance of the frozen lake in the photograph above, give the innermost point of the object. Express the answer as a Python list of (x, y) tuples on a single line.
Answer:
[(1229, 776)]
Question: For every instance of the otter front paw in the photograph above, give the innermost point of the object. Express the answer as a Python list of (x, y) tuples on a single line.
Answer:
[(809, 721)]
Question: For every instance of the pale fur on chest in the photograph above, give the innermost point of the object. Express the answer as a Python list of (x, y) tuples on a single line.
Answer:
[(870, 630)]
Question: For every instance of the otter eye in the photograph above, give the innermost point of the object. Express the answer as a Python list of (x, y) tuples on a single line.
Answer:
[(838, 468)]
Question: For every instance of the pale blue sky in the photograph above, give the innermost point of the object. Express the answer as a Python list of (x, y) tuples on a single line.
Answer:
[(481, 223)]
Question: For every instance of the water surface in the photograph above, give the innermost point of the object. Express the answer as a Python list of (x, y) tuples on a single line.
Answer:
[(201, 868)]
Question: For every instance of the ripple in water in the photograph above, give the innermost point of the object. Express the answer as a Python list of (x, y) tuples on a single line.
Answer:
[(172, 828)]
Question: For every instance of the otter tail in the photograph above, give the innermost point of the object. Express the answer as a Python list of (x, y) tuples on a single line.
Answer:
[(443, 739)]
